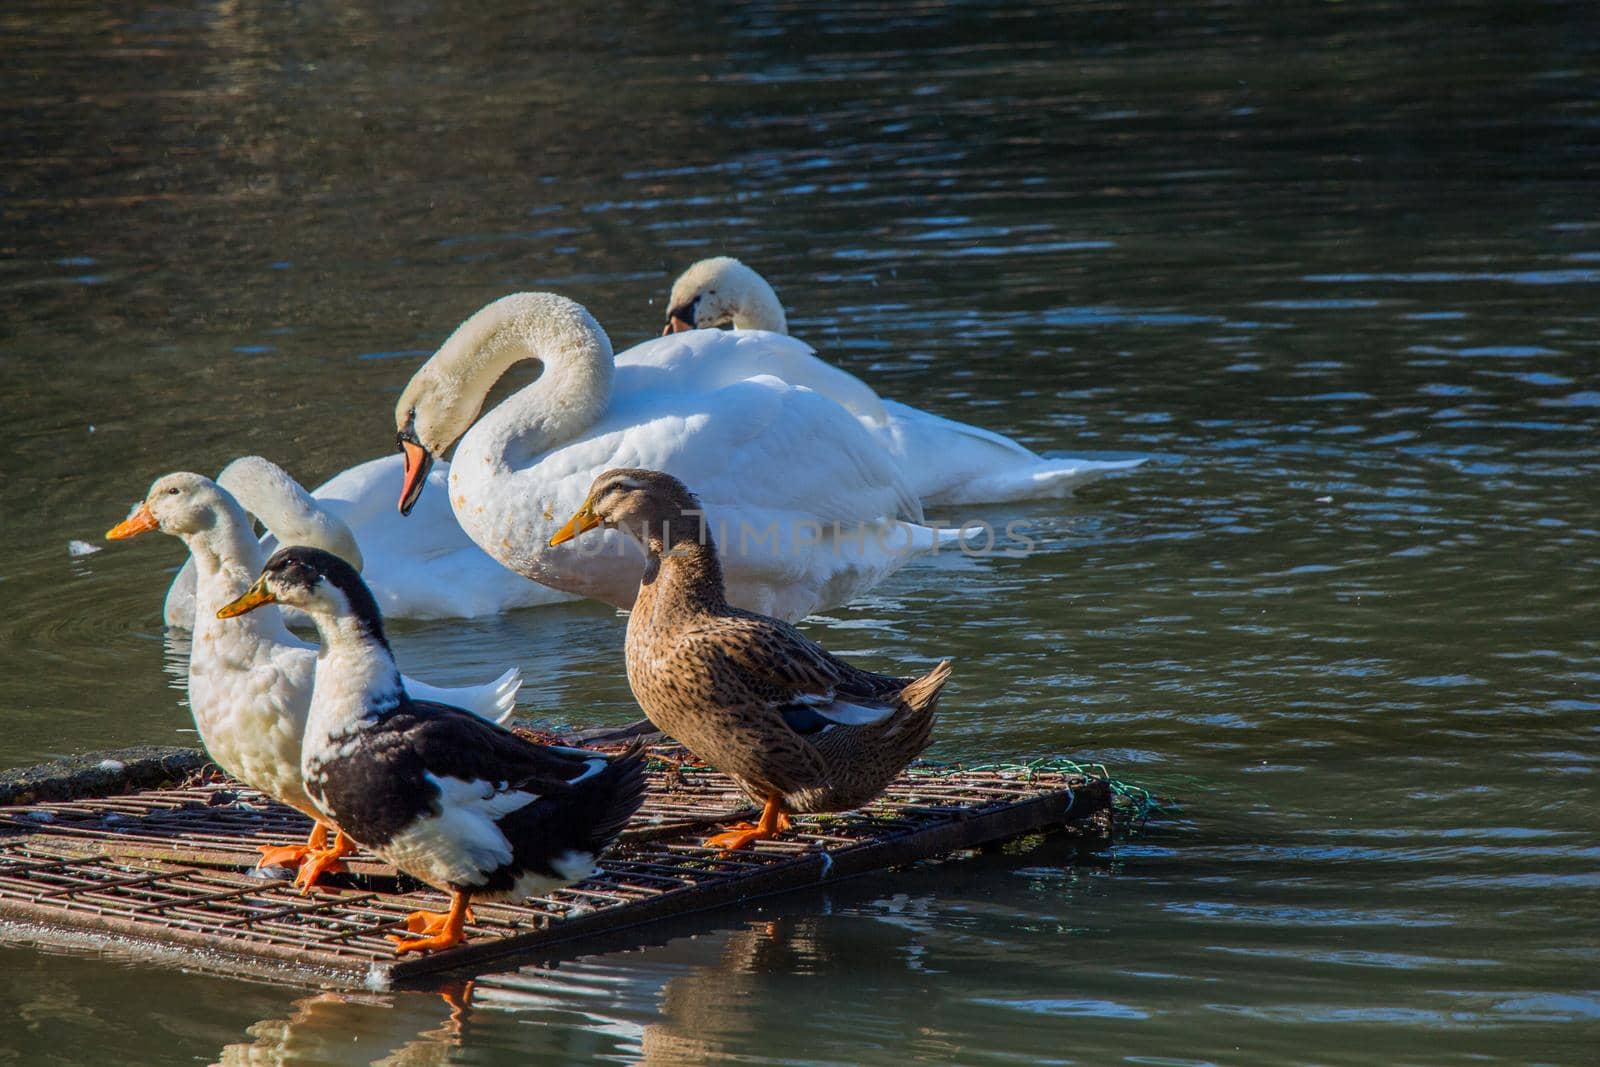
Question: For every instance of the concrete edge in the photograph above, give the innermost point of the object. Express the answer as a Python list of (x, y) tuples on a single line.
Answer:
[(99, 774)]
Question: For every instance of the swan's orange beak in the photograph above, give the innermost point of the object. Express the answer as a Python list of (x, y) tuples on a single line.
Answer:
[(676, 323), (418, 463), (140, 520), (583, 521), (250, 600)]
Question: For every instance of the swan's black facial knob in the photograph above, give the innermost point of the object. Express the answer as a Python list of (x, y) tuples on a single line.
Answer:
[(681, 318)]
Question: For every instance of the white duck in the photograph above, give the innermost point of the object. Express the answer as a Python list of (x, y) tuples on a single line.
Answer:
[(808, 504), (945, 462), (250, 680), (426, 568)]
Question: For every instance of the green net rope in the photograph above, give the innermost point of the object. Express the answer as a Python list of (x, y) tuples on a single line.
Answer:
[(1135, 803)]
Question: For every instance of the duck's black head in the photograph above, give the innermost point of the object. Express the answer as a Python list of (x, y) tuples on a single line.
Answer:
[(318, 583)]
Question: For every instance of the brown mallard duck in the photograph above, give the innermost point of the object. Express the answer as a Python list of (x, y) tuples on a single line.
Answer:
[(800, 730)]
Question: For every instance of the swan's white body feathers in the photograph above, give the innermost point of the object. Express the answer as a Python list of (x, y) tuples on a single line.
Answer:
[(950, 462)]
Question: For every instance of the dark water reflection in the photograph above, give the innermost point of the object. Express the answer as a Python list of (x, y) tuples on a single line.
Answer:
[(1334, 267)]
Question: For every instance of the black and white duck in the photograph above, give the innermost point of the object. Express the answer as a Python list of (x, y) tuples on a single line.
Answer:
[(455, 801)]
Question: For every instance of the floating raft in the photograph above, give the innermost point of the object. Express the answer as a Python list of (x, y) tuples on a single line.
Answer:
[(168, 869)]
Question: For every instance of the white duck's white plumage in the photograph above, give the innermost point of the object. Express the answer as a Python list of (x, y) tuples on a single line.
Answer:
[(945, 461), (250, 679), (419, 567), (763, 454)]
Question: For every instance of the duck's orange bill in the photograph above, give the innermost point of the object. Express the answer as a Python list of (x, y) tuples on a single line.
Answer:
[(141, 521), (252, 599), (582, 521)]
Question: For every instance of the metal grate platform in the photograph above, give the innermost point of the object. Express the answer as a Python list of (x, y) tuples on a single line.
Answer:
[(170, 868)]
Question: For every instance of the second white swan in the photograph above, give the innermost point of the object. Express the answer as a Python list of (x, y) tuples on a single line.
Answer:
[(944, 461)]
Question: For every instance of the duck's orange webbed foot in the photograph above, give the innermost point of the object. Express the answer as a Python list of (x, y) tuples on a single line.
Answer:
[(439, 929), (743, 835), (282, 855), (293, 855), (323, 861)]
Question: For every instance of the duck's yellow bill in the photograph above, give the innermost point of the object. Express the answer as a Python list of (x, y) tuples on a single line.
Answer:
[(141, 521), (584, 520), (252, 599)]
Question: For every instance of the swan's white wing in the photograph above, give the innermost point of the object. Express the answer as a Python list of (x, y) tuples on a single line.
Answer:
[(949, 462), (775, 466), (367, 492), (756, 447), (700, 361)]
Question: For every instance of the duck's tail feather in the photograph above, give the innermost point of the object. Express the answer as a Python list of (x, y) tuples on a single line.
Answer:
[(502, 696), (908, 732), (495, 701), (617, 792), (923, 693)]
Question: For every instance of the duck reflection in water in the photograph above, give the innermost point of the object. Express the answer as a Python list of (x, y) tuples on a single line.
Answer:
[(730, 1009), (333, 1029), (702, 1011)]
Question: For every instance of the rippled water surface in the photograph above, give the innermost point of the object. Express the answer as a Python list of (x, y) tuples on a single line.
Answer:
[(1336, 269)]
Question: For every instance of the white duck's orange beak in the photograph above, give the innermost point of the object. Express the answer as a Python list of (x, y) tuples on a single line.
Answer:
[(140, 520)]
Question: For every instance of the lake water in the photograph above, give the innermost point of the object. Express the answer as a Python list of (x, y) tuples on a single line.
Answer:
[(1334, 267)]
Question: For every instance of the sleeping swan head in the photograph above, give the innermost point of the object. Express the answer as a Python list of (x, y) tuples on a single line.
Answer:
[(723, 292), (294, 516), (446, 394)]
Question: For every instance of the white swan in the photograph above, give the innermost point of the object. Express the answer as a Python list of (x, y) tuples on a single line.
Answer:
[(797, 489), (250, 679), (421, 568), (945, 462)]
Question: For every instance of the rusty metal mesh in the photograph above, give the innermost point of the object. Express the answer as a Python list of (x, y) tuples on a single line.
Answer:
[(173, 866)]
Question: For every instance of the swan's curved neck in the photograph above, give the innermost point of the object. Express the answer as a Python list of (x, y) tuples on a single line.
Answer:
[(570, 394), (760, 309)]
